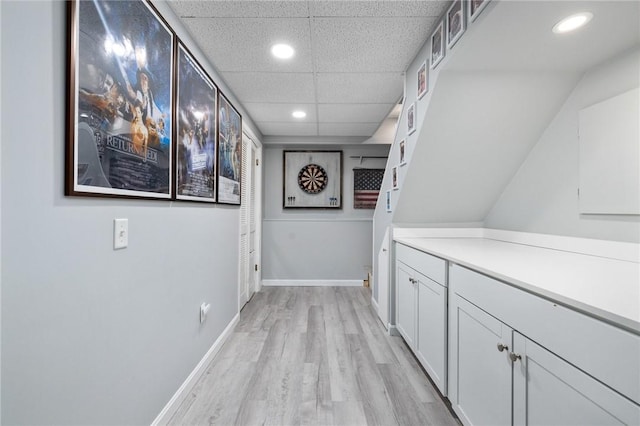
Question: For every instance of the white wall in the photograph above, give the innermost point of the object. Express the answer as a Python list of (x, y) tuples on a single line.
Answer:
[(317, 244), (91, 335), (542, 197)]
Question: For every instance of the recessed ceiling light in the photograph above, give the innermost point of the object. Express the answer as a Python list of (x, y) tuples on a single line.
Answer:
[(299, 114), (282, 51), (572, 22)]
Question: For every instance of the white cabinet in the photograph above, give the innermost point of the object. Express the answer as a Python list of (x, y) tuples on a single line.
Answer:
[(421, 309), (480, 372), (406, 306), (498, 376), (431, 348), (547, 390)]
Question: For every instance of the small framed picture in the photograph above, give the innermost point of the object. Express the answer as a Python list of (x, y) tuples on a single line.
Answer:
[(423, 82), (403, 161), (388, 198), (394, 178), (475, 7), (437, 45), (455, 22), (411, 119)]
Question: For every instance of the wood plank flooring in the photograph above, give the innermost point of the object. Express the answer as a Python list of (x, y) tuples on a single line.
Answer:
[(313, 356)]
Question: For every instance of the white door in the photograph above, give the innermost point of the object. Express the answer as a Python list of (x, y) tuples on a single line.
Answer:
[(245, 209), (250, 214), (383, 280)]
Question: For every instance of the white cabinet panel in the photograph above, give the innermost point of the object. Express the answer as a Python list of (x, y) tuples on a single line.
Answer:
[(432, 330), (548, 390), (480, 373), (406, 304)]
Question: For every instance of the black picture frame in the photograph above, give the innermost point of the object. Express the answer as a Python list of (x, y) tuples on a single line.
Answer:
[(196, 130), (119, 100), (229, 152)]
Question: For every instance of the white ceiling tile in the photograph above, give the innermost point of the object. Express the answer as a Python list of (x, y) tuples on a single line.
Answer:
[(272, 87), (244, 44), (280, 112), (368, 44), (348, 129), (434, 8), (356, 113), (273, 128), (353, 88), (240, 9)]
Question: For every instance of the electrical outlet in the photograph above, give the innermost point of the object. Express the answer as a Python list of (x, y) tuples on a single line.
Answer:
[(120, 233)]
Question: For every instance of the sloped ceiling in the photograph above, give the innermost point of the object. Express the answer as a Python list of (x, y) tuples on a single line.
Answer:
[(504, 82), (347, 73)]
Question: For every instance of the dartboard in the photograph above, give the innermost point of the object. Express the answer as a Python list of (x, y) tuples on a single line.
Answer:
[(312, 179)]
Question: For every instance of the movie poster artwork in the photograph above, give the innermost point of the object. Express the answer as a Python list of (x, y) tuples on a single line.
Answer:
[(120, 144), (196, 130), (229, 152)]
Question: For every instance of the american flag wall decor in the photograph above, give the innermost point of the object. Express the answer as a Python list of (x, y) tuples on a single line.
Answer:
[(366, 187)]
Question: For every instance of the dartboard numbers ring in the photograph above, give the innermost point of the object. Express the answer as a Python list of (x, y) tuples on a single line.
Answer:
[(312, 179)]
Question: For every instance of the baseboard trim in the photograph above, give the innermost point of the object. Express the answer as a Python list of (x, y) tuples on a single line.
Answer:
[(374, 304), (312, 283), (393, 331), (183, 391)]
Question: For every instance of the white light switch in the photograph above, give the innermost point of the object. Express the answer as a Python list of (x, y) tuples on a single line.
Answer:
[(120, 233)]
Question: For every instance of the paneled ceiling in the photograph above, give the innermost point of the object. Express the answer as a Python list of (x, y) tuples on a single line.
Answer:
[(346, 74)]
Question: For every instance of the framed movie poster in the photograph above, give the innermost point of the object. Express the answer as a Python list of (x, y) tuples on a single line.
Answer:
[(394, 178), (423, 81), (229, 152), (388, 201), (455, 22), (119, 122), (312, 179), (403, 160), (437, 45), (196, 116)]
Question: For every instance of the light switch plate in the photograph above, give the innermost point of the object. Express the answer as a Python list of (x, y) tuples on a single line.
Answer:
[(120, 233)]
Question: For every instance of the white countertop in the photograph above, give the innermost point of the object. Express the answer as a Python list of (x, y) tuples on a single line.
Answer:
[(605, 288)]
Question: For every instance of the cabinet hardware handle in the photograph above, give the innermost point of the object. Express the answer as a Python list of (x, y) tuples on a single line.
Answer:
[(502, 347), (514, 357)]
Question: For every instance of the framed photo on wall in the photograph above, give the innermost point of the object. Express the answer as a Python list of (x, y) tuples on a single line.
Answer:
[(312, 179), (423, 80), (119, 121), (196, 116), (475, 7), (455, 22), (229, 152), (403, 160), (388, 201), (411, 119), (437, 45), (394, 178)]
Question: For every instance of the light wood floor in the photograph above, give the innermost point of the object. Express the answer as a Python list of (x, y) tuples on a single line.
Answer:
[(313, 356)]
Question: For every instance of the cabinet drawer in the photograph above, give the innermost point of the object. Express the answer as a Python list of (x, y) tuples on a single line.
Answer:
[(430, 266), (606, 352)]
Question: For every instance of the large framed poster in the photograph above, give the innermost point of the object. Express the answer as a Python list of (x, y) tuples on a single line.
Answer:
[(196, 131), (312, 179), (229, 152), (119, 125)]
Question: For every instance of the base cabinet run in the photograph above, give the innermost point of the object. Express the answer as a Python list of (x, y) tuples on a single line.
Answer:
[(421, 313), (498, 376)]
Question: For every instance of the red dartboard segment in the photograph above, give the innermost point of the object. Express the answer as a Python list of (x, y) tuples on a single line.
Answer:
[(312, 179)]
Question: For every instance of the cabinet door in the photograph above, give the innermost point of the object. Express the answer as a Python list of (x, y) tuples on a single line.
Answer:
[(480, 371), (432, 326), (548, 390), (406, 306)]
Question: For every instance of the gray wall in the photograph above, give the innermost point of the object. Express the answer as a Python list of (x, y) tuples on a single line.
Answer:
[(91, 335), (542, 197), (317, 244)]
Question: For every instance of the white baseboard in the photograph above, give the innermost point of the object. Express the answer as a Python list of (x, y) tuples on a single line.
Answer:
[(312, 283), (393, 331), (183, 391), (374, 304)]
